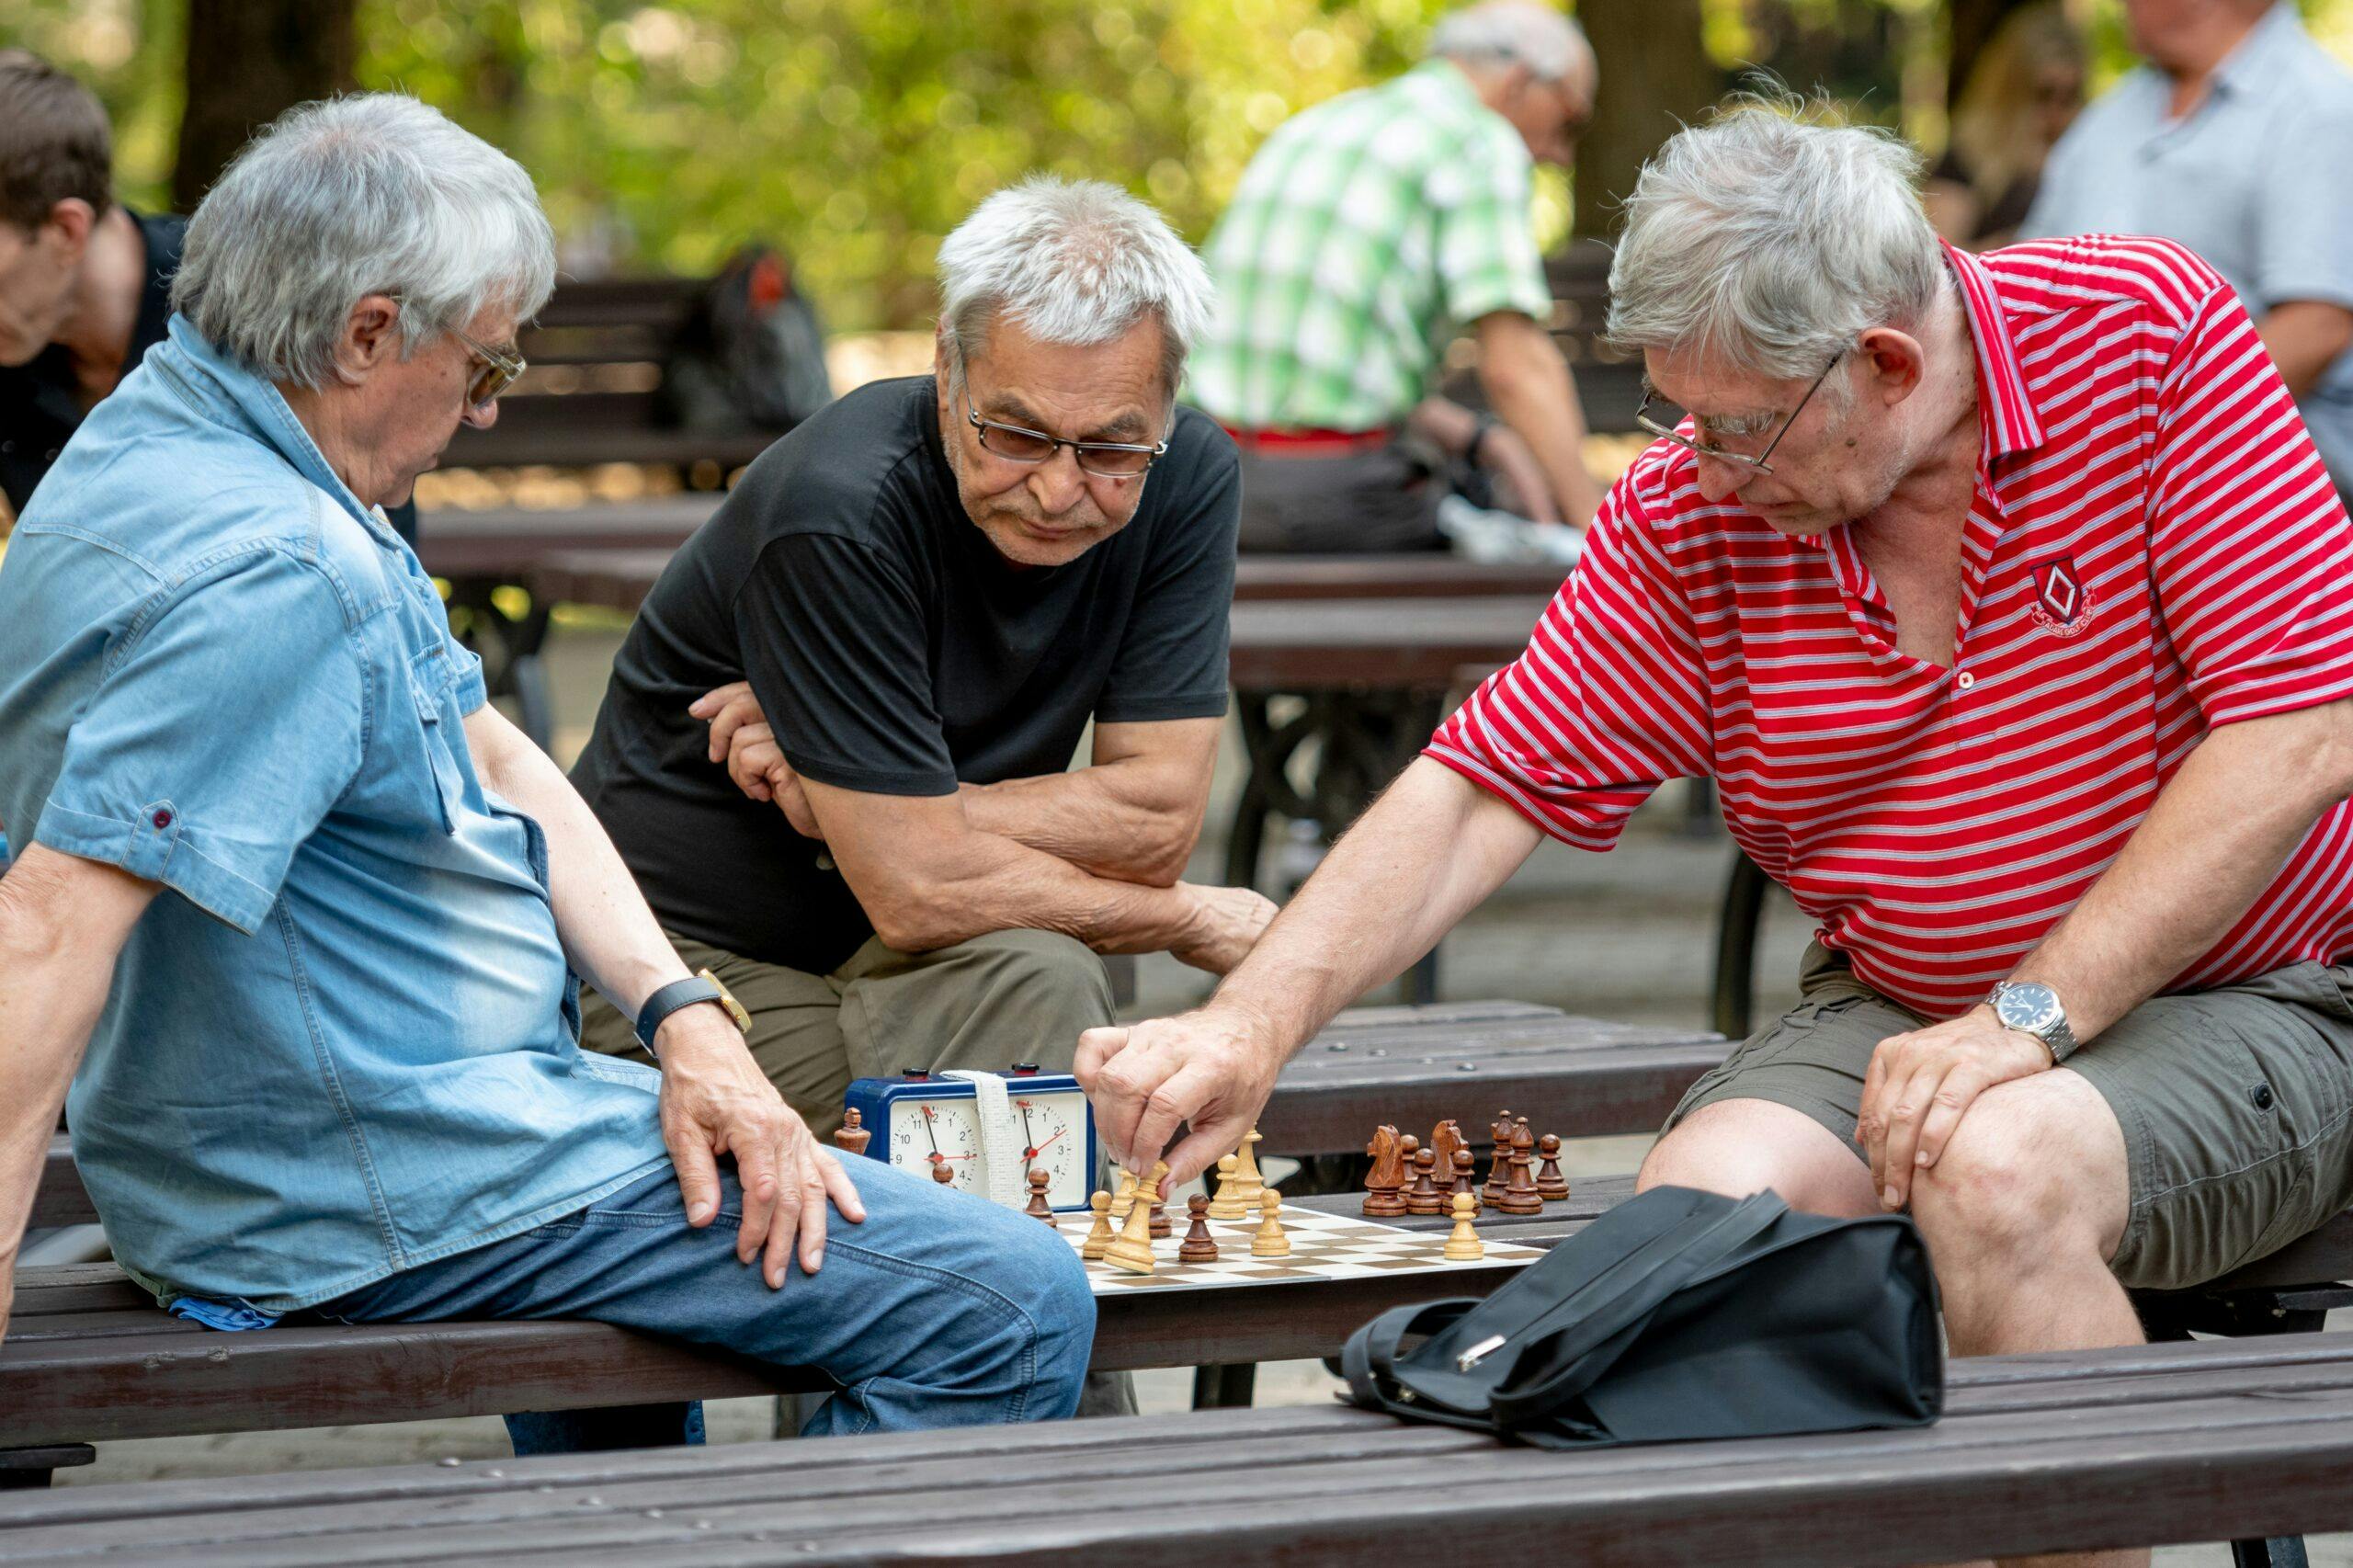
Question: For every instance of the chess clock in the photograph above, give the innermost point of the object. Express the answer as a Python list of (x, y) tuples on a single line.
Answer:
[(987, 1130)]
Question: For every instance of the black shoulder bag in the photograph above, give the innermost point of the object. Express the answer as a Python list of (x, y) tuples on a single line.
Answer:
[(1677, 1315)]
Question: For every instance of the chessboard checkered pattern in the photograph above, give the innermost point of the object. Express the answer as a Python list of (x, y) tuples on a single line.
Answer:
[(1323, 1247)]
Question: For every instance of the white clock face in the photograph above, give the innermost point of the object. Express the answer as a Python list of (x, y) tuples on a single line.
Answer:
[(925, 1133), (1053, 1128)]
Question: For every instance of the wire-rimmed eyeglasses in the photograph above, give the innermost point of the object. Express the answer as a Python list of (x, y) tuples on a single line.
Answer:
[(1018, 443), (1755, 465)]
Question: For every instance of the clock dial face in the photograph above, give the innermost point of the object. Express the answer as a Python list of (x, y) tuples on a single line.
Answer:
[(1053, 1128), (946, 1131)]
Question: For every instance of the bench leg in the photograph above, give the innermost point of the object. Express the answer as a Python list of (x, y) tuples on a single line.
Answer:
[(26, 1470), (1736, 926), (1225, 1387), (2280, 1551)]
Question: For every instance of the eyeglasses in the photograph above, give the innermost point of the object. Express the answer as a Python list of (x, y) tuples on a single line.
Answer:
[(1668, 432), (500, 370), (1014, 443)]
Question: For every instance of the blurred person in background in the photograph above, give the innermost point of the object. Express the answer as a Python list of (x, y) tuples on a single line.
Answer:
[(85, 281), (2024, 89), (1367, 233), (2233, 140)]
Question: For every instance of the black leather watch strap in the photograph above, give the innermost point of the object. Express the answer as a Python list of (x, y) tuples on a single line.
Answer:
[(703, 988)]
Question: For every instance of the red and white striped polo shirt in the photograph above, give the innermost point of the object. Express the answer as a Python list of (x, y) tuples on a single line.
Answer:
[(2153, 550)]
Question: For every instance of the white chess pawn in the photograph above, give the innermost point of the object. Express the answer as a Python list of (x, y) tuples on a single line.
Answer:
[(1270, 1241)]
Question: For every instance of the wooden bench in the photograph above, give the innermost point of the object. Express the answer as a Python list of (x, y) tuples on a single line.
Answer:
[(2172, 1443)]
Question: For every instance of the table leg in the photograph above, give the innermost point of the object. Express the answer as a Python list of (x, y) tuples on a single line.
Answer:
[(1228, 1387)]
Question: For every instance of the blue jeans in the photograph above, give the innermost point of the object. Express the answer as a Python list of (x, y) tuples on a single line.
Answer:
[(940, 1309)]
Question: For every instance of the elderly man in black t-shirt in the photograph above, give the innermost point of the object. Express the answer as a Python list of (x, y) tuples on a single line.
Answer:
[(915, 602)]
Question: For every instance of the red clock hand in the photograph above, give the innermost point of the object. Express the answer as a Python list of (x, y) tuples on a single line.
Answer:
[(1033, 1154)]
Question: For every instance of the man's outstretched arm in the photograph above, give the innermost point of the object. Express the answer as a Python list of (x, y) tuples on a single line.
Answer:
[(63, 923), (1428, 852)]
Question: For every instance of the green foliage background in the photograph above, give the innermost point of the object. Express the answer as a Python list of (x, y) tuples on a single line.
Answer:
[(856, 133)]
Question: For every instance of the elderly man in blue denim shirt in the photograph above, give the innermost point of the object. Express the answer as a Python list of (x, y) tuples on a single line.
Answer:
[(307, 911)]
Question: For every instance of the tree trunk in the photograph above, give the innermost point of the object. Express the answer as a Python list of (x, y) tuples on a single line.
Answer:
[(1654, 74), (1973, 22), (248, 62)]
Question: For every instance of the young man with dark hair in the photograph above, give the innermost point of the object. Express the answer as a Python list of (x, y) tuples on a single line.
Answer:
[(85, 281)]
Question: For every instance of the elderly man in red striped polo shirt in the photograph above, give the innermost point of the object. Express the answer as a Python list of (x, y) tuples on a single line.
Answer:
[(2007, 602)]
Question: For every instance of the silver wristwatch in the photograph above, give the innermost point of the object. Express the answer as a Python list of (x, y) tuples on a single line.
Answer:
[(2034, 1010)]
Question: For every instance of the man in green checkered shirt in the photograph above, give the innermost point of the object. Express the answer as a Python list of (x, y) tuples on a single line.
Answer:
[(1367, 233)]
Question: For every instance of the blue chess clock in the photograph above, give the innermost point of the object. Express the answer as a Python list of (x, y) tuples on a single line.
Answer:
[(987, 1130)]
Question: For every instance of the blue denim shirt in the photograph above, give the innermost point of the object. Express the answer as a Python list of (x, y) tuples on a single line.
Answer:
[(344, 1042)]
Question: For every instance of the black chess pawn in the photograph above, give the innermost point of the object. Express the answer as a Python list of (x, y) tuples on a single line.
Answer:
[(1199, 1246), (1466, 1177), (1160, 1226), (1039, 1208), (1521, 1196), (1424, 1197), (1550, 1185)]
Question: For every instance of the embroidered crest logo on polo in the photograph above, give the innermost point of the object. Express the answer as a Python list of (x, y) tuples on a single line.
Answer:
[(2061, 605)]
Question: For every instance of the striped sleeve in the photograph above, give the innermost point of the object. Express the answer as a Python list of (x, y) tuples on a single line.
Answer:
[(2250, 548), (1609, 700)]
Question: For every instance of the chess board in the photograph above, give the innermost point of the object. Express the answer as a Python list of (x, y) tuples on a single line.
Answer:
[(1323, 1247)]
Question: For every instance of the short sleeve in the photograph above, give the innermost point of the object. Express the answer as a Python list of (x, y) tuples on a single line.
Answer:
[(218, 739), (1486, 240), (1171, 662), (2304, 245), (2250, 549), (834, 646), (1609, 700)]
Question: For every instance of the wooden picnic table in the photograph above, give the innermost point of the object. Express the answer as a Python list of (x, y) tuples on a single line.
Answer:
[(2076, 1449)]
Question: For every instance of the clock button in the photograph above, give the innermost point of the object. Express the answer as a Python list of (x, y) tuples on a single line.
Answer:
[(1025, 1068), (915, 1074)]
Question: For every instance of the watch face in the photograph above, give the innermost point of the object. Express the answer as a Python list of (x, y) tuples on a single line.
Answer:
[(2033, 1008), (945, 1131), (1053, 1127)]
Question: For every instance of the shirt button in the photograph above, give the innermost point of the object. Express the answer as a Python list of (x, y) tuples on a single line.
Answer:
[(50, 456), (1967, 680), (163, 817), (7, 446)]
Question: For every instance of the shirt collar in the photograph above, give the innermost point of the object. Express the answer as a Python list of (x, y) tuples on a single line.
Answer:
[(2246, 66), (2010, 423), (238, 395)]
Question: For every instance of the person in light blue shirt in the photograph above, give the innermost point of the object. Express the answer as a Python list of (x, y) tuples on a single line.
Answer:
[(2234, 140), (308, 912)]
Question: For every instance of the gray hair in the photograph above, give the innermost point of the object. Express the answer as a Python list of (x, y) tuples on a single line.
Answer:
[(1512, 33), (1076, 263), (373, 194), (1772, 243)]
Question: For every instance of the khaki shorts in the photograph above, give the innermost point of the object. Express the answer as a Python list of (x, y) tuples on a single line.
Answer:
[(2235, 1104)]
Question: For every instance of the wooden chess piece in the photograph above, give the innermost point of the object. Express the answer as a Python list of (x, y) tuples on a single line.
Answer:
[(1500, 1164), (1550, 1185), (1465, 1245), (1125, 1198), (1384, 1185), (1521, 1196), (1160, 1226), (1270, 1241), (1408, 1147), (1100, 1237), (851, 1137), (1039, 1208), (941, 1173), (1245, 1167), (1466, 1176), (1132, 1249), (1426, 1199), (1228, 1204), (1199, 1246), (1445, 1138)]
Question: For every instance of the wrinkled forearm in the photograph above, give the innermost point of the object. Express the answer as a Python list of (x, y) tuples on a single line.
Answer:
[(2214, 838), (1528, 383), (986, 882), (1123, 822), (1430, 848)]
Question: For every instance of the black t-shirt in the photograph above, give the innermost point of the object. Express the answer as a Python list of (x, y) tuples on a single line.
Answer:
[(895, 652), (40, 401)]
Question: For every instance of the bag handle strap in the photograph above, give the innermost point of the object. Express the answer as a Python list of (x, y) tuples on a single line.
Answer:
[(1689, 1255), (1369, 1360)]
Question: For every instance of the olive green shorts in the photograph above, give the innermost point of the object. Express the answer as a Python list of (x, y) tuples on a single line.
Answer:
[(2236, 1104)]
